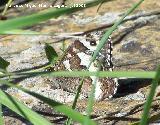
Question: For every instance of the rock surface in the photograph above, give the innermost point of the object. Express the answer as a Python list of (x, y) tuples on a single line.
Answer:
[(136, 47)]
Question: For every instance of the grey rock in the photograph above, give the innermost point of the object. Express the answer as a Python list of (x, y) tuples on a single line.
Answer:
[(130, 46)]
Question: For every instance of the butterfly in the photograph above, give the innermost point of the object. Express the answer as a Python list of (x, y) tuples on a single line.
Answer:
[(77, 57)]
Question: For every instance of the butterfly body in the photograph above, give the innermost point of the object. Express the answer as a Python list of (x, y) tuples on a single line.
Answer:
[(77, 58)]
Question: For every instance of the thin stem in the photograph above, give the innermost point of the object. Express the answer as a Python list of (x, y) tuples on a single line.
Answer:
[(6, 7)]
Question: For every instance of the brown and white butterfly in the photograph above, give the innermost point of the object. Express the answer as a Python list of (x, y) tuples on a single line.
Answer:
[(77, 57)]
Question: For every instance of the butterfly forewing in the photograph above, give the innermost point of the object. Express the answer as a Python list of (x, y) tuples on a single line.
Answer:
[(77, 58)]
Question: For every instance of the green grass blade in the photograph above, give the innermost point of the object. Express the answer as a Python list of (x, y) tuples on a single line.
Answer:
[(118, 74), (6, 7), (90, 102), (1, 115), (105, 37), (69, 120), (76, 116), (22, 110), (103, 41), (21, 32), (147, 106), (29, 20)]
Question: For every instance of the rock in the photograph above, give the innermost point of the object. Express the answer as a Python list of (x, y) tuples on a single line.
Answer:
[(146, 50), (130, 46), (137, 48)]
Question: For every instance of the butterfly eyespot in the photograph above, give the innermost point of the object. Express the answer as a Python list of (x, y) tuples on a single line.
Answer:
[(93, 43)]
